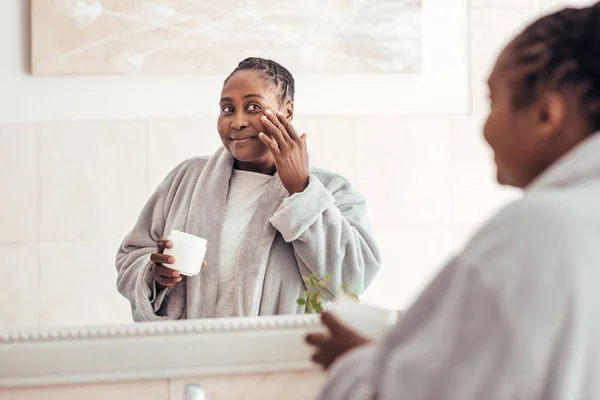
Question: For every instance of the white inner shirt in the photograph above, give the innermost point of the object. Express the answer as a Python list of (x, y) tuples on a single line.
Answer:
[(245, 190)]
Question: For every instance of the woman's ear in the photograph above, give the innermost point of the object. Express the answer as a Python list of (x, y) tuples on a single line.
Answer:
[(550, 113), (289, 110)]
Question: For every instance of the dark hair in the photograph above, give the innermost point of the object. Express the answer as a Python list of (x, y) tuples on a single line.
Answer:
[(273, 73), (561, 51)]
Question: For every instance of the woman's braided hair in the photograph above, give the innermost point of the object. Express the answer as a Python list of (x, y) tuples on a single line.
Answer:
[(273, 73), (561, 51)]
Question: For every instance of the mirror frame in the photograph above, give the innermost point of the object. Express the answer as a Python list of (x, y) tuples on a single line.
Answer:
[(154, 350)]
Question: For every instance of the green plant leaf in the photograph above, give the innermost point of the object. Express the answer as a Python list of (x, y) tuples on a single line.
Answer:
[(316, 289)]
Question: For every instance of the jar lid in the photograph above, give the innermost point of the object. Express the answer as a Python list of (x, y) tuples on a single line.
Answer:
[(187, 238)]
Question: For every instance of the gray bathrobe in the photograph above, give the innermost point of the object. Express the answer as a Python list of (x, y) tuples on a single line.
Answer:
[(323, 230)]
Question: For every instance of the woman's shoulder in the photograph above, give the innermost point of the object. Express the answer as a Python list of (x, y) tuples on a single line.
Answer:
[(189, 167), (330, 179), (534, 229), (193, 163), (539, 215)]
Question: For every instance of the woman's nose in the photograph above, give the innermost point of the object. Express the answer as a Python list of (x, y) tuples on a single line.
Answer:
[(239, 122)]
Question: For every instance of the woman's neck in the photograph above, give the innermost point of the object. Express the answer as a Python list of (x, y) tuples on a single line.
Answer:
[(267, 168)]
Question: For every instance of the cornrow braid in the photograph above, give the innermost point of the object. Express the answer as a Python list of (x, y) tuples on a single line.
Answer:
[(273, 73), (561, 51)]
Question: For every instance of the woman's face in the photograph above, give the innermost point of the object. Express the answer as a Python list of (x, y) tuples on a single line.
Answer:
[(513, 134), (244, 99)]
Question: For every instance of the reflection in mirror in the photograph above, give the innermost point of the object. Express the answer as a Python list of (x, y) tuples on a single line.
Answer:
[(273, 224), (94, 166)]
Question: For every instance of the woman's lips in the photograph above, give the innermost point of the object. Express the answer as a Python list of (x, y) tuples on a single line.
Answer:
[(243, 141)]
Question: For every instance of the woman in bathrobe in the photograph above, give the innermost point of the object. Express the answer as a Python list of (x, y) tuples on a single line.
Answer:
[(516, 315), (269, 217)]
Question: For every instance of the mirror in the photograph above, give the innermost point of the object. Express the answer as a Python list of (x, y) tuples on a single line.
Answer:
[(82, 154)]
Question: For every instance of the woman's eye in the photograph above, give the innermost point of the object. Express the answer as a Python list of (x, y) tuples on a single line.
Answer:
[(253, 107), (227, 109)]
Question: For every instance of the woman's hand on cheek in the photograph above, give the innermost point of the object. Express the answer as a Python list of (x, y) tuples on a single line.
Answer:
[(288, 149)]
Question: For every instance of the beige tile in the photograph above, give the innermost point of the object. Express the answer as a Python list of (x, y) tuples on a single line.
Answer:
[(331, 143), (490, 31), (291, 386), (270, 386), (476, 195), (18, 180), (20, 293), (403, 169), (412, 255), (173, 141), (150, 390), (93, 179), (78, 285)]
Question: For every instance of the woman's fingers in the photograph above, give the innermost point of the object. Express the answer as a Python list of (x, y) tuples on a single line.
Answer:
[(166, 272), (317, 339), (274, 119), (163, 244), (166, 276), (270, 143), (322, 359), (275, 128), (289, 128), (160, 258)]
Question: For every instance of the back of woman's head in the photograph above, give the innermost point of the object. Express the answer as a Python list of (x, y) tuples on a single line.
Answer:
[(561, 51)]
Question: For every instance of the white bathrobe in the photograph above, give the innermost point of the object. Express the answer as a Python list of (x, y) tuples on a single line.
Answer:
[(323, 231), (516, 315)]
